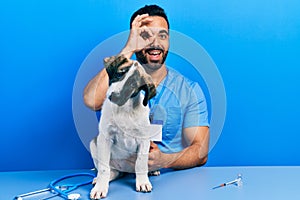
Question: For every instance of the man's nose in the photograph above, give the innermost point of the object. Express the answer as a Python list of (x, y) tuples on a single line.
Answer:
[(156, 41)]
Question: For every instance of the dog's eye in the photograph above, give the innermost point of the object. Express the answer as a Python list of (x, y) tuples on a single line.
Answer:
[(123, 70), (118, 75), (133, 85)]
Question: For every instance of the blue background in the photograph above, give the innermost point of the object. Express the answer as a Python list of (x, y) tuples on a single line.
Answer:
[(255, 45)]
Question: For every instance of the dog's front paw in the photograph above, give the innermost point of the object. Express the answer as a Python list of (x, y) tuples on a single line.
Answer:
[(144, 187), (143, 184), (99, 191)]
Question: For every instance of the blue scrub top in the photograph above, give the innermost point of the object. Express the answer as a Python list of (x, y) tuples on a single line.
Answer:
[(179, 103)]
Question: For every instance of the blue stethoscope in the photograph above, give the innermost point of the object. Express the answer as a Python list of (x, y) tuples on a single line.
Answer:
[(61, 190)]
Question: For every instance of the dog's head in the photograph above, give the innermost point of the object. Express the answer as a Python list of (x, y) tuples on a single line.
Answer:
[(128, 78)]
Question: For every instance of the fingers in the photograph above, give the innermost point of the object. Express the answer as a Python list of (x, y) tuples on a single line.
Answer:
[(140, 35), (154, 152), (153, 162), (146, 33), (140, 23), (153, 147), (151, 156), (141, 20)]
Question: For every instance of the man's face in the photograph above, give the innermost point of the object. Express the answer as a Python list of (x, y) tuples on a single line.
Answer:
[(153, 56)]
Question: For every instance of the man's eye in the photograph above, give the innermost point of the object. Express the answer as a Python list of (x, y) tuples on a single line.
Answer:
[(163, 36), (145, 35)]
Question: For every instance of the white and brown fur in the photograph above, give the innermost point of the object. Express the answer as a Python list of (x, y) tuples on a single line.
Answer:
[(124, 128)]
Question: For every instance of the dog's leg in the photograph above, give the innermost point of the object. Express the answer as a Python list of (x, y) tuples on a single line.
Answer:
[(100, 189), (114, 174), (93, 150), (141, 167)]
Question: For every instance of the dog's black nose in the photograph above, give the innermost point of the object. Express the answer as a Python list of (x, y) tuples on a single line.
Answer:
[(109, 97)]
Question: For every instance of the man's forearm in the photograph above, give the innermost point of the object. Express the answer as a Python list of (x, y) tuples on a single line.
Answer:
[(127, 52), (95, 91), (191, 156)]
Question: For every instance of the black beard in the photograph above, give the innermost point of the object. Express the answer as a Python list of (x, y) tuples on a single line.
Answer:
[(141, 58)]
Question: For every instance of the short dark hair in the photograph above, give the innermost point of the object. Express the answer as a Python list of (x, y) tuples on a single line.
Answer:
[(152, 10)]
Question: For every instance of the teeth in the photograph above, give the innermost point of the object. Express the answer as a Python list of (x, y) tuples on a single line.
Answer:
[(154, 52)]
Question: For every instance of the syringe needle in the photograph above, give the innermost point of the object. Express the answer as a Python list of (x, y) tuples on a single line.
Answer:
[(222, 185)]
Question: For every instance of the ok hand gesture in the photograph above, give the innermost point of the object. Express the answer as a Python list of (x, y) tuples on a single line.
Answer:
[(140, 35)]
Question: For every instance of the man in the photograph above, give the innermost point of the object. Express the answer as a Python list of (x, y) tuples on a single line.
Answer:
[(179, 104)]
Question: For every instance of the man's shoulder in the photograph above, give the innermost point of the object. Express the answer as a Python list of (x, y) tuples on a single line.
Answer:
[(178, 78)]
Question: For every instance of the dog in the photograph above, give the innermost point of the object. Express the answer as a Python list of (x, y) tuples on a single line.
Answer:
[(124, 127)]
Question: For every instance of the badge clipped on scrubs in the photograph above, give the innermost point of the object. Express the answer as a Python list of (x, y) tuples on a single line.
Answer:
[(156, 132)]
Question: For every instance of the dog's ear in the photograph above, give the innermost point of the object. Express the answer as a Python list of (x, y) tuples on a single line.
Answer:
[(150, 92), (146, 84), (112, 65)]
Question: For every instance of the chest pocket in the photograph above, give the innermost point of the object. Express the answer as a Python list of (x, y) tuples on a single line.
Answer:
[(173, 125)]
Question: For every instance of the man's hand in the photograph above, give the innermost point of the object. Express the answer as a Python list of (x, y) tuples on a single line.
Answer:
[(140, 35), (157, 159), (195, 154)]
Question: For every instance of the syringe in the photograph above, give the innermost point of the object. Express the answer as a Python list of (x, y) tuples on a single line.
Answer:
[(237, 182)]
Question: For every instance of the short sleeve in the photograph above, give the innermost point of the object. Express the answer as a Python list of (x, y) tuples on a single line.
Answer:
[(196, 113)]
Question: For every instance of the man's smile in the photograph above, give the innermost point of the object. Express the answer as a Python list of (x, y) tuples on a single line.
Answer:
[(154, 54)]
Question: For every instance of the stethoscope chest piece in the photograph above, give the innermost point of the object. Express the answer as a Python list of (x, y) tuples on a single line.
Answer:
[(73, 196)]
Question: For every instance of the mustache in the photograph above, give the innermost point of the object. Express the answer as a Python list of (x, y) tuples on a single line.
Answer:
[(153, 48)]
